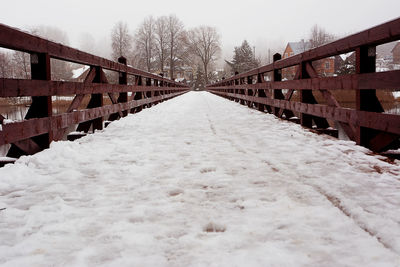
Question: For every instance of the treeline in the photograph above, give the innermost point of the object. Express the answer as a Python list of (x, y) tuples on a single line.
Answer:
[(165, 46), (161, 45)]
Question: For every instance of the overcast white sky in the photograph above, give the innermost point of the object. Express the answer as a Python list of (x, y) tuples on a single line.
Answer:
[(264, 23)]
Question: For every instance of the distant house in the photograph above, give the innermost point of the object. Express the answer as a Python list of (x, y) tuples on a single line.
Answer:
[(182, 73), (396, 54), (324, 67)]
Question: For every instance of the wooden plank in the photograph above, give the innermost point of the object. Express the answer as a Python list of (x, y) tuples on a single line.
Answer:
[(380, 121), (12, 38), (21, 87), (382, 141), (389, 80), (288, 96), (381, 34), (331, 101)]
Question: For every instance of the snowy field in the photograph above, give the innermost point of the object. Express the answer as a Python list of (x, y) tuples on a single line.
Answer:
[(201, 181)]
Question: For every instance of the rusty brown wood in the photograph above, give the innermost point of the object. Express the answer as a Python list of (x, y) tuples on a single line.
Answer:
[(365, 82), (19, 88), (123, 80), (288, 96), (384, 33), (28, 146), (380, 121), (59, 133), (331, 101), (39, 126), (15, 39), (96, 100), (389, 80)]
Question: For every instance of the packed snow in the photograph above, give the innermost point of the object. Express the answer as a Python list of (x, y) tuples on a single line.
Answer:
[(201, 181)]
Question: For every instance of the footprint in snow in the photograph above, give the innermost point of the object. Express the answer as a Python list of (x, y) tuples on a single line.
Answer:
[(175, 192), (209, 169), (214, 227)]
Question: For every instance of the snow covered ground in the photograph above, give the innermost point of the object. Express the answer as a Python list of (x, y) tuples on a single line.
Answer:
[(201, 181)]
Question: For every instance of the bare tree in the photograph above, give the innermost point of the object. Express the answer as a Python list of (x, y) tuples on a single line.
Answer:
[(22, 65), (121, 40), (5, 66), (175, 32), (161, 40), (204, 43), (318, 36), (145, 41)]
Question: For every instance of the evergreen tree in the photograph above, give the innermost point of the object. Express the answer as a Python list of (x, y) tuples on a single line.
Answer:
[(243, 58), (199, 81)]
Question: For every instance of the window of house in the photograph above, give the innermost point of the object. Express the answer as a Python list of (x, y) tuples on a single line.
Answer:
[(286, 55), (291, 54), (327, 65)]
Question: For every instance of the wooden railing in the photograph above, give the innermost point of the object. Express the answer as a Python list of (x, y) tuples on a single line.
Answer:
[(40, 126), (367, 124)]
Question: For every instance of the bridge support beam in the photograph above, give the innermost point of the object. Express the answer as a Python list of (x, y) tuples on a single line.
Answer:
[(306, 96), (96, 100), (366, 100), (277, 77), (261, 93), (138, 95), (250, 91), (41, 107)]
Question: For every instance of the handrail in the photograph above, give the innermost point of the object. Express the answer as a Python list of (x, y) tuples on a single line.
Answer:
[(40, 126), (15, 39), (378, 35), (367, 124)]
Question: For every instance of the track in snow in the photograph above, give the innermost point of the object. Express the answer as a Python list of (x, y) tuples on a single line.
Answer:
[(199, 180)]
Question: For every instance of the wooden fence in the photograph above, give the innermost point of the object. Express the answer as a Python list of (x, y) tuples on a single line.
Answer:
[(367, 124), (41, 126)]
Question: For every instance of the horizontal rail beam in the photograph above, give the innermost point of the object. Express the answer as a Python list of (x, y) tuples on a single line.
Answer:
[(14, 39), (22, 130), (389, 80), (384, 33), (22, 87), (378, 121)]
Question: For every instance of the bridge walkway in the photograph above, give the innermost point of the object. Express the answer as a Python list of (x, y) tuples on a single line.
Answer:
[(199, 180)]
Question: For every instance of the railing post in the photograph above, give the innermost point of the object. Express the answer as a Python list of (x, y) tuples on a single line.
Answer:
[(366, 100), (261, 92), (123, 80), (242, 91), (148, 93), (138, 95), (96, 100), (305, 97), (249, 91), (156, 92), (41, 107), (277, 77)]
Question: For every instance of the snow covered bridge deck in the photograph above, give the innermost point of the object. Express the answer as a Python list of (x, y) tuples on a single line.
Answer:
[(201, 181)]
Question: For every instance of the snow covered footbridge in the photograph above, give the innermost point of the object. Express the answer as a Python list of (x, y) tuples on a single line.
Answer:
[(200, 180)]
